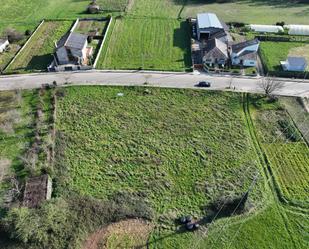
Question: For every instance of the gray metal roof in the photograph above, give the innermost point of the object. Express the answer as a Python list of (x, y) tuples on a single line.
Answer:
[(208, 20), (73, 40), (297, 61), (240, 46)]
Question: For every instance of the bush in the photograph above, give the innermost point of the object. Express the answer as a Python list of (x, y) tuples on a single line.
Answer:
[(14, 35), (64, 223), (289, 130), (28, 32)]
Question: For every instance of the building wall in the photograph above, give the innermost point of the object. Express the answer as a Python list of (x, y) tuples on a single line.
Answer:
[(249, 63), (296, 68)]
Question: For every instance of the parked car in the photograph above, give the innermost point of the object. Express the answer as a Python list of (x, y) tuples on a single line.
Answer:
[(204, 84)]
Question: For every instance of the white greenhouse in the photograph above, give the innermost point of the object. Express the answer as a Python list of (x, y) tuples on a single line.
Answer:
[(266, 28), (298, 29)]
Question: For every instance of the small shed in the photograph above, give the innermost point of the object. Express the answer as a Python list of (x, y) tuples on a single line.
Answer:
[(94, 8), (266, 28), (295, 64), (37, 190), (3, 44)]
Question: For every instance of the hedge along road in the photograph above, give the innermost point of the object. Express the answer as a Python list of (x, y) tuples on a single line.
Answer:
[(290, 87)]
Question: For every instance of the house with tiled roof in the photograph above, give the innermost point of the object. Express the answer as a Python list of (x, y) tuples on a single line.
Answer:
[(245, 53)]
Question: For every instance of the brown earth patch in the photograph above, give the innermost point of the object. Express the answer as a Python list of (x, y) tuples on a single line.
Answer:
[(132, 233)]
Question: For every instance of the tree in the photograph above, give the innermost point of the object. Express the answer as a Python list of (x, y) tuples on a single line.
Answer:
[(270, 85)]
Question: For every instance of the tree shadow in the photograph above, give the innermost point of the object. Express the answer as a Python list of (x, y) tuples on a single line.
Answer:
[(181, 39)]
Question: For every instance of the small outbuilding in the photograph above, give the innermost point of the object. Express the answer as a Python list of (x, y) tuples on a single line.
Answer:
[(37, 190), (295, 64), (93, 7), (4, 43)]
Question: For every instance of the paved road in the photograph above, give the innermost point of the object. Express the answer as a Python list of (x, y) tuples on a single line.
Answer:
[(159, 79)]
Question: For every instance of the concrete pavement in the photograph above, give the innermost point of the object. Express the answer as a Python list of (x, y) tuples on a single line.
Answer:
[(159, 79)]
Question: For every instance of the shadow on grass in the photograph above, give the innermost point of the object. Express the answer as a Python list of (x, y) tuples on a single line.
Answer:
[(181, 39), (39, 62)]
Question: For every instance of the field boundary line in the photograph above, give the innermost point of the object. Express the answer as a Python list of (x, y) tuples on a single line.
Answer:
[(102, 44), (24, 46), (74, 25)]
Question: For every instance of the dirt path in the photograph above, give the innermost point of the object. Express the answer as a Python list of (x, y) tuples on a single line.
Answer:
[(132, 233)]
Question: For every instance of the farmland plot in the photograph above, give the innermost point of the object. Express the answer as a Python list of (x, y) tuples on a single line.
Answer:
[(286, 151), (155, 44), (37, 54), (290, 163)]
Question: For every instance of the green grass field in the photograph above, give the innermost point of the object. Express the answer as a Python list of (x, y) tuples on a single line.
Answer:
[(37, 54), (158, 44), (28, 13), (144, 145), (252, 11), (274, 52)]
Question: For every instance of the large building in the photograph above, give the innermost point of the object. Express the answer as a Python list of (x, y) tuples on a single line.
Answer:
[(209, 26)]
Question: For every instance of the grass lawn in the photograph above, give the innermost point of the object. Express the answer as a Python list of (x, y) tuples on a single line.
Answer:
[(274, 52), (37, 54), (251, 11), (142, 143), (155, 44), (265, 229)]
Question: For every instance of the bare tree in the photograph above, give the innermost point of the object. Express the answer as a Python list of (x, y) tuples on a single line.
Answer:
[(270, 85)]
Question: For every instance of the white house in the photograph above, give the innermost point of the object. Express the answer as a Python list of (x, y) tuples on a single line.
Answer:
[(245, 53), (72, 49), (297, 64), (3, 44)]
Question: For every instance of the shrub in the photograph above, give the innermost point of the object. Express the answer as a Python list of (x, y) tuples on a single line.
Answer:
[(14, 35), (289, 130)]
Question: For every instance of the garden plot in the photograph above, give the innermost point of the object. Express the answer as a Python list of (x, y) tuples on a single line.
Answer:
[(286, 150), (155, 44), (94, 29), (274, 52), (37, 54)]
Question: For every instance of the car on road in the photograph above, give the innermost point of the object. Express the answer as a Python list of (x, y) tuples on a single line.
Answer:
[(203, 84)]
